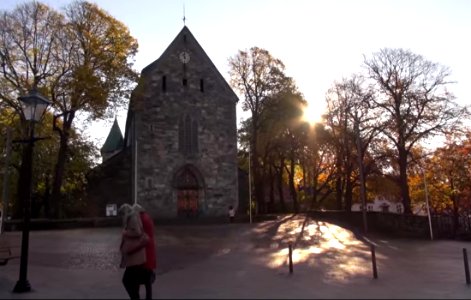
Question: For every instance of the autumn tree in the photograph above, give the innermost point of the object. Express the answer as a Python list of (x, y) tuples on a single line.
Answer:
[(411, 96), (80, 59), (448, 172), (258, 77), (27, 46), (95, 55), (320, 165), (285, 138), (83, 155)]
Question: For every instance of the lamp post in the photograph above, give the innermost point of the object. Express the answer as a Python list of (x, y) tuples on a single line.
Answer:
[(250, 189), (34, 105), (427, 206)]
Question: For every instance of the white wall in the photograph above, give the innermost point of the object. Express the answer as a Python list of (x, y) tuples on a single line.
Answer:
[(381, 205)]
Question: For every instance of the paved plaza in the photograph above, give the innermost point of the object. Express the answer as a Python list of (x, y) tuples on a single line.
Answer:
[(243, 260)]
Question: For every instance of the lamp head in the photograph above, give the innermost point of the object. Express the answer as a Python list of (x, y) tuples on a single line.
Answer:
[(34, 105)]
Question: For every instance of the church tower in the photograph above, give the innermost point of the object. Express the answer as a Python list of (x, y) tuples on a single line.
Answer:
[(182, 131)]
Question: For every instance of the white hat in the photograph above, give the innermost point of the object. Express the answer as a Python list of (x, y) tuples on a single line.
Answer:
[(125, 208)]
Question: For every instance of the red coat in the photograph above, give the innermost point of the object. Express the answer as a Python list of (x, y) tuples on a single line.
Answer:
[(148, 226)]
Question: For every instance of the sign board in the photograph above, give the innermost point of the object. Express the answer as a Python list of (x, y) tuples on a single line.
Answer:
[(111, 210)]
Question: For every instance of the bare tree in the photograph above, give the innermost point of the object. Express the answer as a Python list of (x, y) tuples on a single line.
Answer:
[(354, 124), (412, 98)]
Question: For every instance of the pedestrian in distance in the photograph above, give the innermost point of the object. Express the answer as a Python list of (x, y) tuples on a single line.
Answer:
[(231, 214)]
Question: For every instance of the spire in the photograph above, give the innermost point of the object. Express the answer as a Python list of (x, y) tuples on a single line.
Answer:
[(184, 18), (115, 141)]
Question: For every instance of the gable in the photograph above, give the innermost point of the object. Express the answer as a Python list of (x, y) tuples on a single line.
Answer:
[(186, 42), (149, 87)]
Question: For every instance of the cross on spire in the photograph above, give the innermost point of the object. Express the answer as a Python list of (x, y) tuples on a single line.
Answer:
[(184, 18)]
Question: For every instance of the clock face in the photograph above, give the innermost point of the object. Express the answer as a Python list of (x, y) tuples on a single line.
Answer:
[(184, 57)]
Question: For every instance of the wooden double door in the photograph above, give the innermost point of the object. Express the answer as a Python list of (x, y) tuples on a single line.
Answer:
[(188, 188), (187, 202)]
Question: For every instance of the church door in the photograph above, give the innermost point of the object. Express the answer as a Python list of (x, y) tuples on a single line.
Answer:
[(187, 194), (187, 202)]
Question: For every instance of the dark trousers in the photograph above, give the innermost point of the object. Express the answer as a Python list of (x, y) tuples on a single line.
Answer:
[(133, 277)]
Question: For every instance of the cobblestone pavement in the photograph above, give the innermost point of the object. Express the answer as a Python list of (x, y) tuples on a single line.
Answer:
[(242, 261)]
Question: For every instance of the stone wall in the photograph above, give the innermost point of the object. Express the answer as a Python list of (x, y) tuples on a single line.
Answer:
[(109, 183)]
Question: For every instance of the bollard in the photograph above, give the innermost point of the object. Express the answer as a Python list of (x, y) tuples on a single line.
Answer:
[(466, 266), (373, 260), (290, 259)]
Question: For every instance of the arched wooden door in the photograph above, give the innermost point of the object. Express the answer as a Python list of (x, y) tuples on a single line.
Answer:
[(187, 193), (187, 202)]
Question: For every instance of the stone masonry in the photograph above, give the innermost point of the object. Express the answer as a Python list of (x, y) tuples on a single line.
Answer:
[(183, 118)]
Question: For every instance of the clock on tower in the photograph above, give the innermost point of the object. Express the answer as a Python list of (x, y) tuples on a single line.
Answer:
[(184, 57)]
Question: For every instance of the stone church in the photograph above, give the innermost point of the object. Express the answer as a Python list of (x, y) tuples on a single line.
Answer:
[(178, 156)]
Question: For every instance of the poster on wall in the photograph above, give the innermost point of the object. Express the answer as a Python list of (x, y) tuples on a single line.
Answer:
[(111, 210)]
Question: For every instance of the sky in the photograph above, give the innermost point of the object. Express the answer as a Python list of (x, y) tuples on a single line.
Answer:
[(319, 41)]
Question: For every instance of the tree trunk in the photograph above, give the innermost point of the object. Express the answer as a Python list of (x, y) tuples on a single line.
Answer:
[(456, 223), (47, 195), (455, 209), (313, 190), (271, 177), (362, 176), (60, 166), (257, 173), (403, 182), (280, 185), (292, 187), (348, 192), (338, 183)]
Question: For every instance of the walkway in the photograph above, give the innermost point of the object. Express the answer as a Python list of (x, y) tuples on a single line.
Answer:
[(243, 261)]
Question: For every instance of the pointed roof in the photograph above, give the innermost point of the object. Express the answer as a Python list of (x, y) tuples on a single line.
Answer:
[(115, 140), (155, 65), (186, 35)]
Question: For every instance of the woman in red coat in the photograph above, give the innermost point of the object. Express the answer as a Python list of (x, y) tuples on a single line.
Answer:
[(151, 260), (138, 257)]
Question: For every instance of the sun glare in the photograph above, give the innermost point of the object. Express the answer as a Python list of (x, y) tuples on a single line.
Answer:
[(312, 114)]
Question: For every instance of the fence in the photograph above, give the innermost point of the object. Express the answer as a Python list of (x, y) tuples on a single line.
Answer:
[(443, 226), (401, 225)]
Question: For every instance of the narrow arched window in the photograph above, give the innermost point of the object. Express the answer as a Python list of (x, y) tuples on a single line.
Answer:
[(181, 135), (194, 137), (187, 135)]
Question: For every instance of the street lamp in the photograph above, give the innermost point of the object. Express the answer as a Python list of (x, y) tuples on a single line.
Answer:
[(34, 105), (427, 205), (250, 189)]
